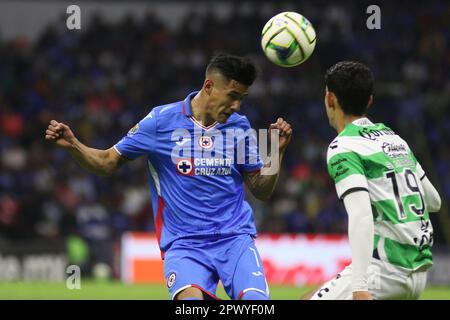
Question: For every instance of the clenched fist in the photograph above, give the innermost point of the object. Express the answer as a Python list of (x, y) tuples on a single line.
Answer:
[(60, 134), (285, 133)]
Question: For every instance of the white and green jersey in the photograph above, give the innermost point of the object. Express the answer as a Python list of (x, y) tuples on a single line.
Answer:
[(371, 157)]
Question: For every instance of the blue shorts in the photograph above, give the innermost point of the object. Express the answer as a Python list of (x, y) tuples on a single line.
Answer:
[(201, 263)]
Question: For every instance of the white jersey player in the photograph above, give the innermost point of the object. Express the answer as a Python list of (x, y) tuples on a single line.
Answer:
[(386, 194)]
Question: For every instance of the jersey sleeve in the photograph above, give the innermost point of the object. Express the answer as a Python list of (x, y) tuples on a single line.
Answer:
[(252, 161), (420, 171), (140, 140), (346, 169)]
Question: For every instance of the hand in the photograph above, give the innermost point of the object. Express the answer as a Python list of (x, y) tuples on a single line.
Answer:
[(60, 134), (285, 133), (362, 295)]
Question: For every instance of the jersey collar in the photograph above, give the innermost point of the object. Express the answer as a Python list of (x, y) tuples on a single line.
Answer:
[(187, 110), (362, 122)]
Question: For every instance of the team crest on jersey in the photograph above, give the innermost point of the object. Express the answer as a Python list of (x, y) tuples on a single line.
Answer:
[(133, 130), (185, 167), (205, 142), (171, 280)]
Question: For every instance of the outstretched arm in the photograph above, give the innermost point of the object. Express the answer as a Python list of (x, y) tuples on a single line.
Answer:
[(262, 183), (101, 162)]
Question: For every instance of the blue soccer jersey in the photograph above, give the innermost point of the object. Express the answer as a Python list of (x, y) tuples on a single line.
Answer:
[(195, 172)]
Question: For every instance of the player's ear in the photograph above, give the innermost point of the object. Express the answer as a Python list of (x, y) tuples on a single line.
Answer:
[(370, 101), (208, 86), (330, 99)]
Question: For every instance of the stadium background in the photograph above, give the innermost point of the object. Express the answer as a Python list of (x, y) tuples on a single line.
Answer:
[(130, 57)]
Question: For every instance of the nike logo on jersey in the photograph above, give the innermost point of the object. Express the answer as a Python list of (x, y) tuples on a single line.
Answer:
[(257, 274), (334, 145)]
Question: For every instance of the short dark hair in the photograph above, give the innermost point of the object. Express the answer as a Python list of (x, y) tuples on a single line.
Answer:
[(241, 69), (352, 83)]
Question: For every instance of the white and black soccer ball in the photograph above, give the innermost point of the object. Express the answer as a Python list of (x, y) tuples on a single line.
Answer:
[(288, 39)]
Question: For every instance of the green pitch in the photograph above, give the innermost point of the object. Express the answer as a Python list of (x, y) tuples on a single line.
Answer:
[(116, 290)]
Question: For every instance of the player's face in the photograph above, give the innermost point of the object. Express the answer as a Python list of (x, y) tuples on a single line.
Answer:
[(225, 99)]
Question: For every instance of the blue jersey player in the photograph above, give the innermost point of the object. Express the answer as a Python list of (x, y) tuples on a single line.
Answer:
[(204, 226)]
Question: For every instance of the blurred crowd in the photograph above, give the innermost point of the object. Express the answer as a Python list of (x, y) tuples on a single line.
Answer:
[(103, 79)]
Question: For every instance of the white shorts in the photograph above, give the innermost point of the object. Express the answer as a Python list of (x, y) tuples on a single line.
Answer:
[(385, 282)]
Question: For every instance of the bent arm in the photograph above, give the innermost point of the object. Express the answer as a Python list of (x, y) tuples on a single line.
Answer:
[(262, 183), (432, 198), (101, 162), (360, 233)]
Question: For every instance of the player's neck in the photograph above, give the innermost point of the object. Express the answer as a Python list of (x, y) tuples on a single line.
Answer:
[(198, 107)]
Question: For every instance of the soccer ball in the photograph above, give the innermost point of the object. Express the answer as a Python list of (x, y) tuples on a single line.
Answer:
[(288, 39)]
